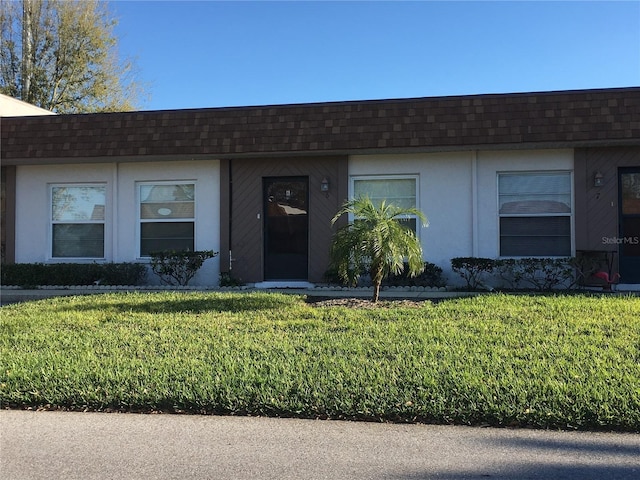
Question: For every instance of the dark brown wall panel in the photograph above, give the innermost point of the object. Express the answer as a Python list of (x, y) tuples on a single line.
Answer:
[(225, 198), (8, 214), (596, 214), (247, 214)]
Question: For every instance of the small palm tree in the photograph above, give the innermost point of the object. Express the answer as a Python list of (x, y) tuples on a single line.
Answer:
[(375, 242)]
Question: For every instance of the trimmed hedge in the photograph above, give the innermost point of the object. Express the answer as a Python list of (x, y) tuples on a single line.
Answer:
[(431, 276), (537, 273), (473, 269), (178, 267), (34, 274)]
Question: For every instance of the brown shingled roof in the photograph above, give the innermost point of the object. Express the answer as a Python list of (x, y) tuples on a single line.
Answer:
[(569, 118)]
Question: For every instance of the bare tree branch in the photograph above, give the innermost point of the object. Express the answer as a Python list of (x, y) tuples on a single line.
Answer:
[(61, 55)]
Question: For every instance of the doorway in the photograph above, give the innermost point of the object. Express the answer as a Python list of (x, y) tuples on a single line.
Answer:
[(629, 234), (286, 228)]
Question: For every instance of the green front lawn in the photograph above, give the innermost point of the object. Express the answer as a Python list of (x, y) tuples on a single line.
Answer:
[(543, 361)]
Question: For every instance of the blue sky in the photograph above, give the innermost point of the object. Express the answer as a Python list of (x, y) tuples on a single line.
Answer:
[(199, 54)]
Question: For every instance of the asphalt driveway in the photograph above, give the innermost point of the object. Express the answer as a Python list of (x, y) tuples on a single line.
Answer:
[(57, 445)]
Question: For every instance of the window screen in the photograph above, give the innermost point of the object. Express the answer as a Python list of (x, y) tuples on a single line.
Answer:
[(535, 214), (77, 221), (401, 192), (167, 217)]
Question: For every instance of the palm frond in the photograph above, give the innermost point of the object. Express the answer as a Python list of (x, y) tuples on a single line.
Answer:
[(375, 241)]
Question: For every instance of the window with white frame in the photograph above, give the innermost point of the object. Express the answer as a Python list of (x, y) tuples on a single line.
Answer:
[(398, 190), (535, 214), (78, 221), (167, 217)]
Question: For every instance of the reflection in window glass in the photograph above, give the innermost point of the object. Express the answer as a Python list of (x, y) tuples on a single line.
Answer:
[(398, 191), (167, 217), (78, 203), (167, 193), (77, 221), (630, 193), (535, 214), (534, 193)]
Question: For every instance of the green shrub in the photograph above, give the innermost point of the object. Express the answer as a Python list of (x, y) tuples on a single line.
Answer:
[(545, 274), (431, 276), (472, 269), (178, 267), (122, 273), (509, 272), (34, 274), (587, 263), (331, 276), (538, 273), (228, 280)]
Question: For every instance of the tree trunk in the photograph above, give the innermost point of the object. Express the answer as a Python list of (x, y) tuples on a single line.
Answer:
[(376, 292), (27, 51), (377, 274)]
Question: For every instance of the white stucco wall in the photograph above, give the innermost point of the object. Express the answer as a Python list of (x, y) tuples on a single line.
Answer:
[(491, 163), (457, 191), (444, 190), (458, 194), (33, 229), (33, 236)]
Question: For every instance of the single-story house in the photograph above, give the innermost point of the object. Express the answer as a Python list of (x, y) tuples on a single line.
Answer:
[(549, 174)]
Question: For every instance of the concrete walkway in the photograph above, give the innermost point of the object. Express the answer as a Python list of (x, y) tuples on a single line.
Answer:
[(11, 295), (87, 446)]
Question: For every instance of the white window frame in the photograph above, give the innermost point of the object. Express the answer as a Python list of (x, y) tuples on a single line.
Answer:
[(414, 177), (570, 215), (140, 220), (53, 222)]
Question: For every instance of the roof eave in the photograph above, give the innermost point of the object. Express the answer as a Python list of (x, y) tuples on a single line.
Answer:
[(328, 152)]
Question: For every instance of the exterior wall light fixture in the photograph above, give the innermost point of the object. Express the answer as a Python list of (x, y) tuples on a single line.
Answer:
[(324, 186), (598, 179)]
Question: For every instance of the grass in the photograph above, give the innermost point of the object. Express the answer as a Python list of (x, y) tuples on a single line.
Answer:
[(570, 362)]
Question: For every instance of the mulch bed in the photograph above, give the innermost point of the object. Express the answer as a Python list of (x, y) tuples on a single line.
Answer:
[(364, 302)]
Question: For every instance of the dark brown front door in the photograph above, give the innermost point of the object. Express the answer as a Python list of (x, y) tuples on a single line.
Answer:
[(286, 228), (629, 239)]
